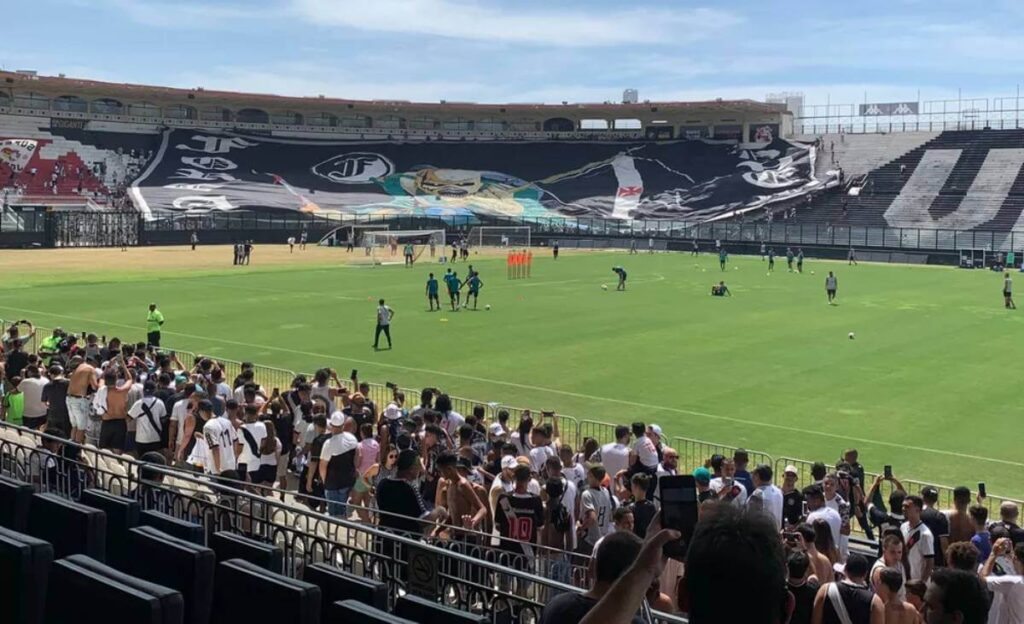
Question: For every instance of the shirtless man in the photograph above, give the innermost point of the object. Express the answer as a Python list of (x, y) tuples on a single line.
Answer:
[(897, 611), (81, 385), (464, 505), (961, 526)]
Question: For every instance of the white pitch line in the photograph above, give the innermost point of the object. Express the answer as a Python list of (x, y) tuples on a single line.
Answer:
[(555, 391)]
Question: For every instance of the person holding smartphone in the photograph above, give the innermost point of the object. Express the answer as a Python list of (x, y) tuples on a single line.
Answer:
[(1008, 605)]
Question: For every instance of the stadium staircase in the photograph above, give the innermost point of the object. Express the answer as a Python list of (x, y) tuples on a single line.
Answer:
[(117, 166), (959, 180)]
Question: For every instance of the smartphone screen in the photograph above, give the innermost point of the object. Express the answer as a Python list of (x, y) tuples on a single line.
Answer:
[(981, 489), (888, 472), (353, 375), (678, 511)]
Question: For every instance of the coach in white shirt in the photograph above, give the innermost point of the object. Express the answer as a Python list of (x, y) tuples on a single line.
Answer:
[(766, 497), (614, 457)]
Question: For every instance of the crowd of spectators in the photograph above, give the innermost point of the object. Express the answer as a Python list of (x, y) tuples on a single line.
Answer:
[(760, 553)]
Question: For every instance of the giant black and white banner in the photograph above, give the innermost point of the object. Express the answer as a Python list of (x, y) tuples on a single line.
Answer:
[(201, 171)]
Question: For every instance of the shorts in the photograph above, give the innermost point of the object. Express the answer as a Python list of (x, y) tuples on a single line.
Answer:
[(474, 293), (33, 422), (113, 434), (146, 447), (432, 296), (1006, 293), (360, 486), (267, 473), (78, 411), (831, 292)]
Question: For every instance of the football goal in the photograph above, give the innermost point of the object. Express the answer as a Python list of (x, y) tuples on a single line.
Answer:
[(393, 246), (517, 237), (349, 235)]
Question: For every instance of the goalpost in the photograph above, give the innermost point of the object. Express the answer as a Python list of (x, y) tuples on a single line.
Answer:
[(340, 236), (512, 237), (389, 246)]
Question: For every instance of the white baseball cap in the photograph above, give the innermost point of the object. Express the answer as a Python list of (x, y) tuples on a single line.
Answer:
[(508, 462), (337, 420), (656, 429), (791, 469)]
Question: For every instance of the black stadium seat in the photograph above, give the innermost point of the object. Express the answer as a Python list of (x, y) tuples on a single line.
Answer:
[(246, 592), (426, 611), (338, 585), (182, 529), (71, 527), (88, 591), (347, 611), (15, 499), (24, 570), (122, 515), (176, 563), (233, 546)]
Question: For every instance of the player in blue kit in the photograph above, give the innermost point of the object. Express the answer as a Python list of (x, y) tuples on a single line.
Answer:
[(432, 293)]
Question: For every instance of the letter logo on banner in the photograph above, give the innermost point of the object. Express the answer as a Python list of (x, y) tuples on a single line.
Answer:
[(210, 163), (354, 168), (200, 202), (216, 144), (17, 152), (195, 174)]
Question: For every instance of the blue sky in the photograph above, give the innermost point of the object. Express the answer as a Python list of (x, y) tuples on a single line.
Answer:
[(530, 50)]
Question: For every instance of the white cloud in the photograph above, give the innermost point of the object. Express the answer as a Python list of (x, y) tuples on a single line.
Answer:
[(462, 19)]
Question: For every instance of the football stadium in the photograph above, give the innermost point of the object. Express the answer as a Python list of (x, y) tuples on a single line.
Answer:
[(312, 359)]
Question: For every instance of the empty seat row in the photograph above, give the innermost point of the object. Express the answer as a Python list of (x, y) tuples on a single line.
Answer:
[(83, 561)]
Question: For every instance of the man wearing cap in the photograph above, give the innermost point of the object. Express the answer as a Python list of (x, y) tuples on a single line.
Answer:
[(505, 481), (154, 321), (792, 497), (337, 465)]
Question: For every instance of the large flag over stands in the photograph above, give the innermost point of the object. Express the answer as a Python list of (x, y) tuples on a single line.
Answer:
[(685, 179)]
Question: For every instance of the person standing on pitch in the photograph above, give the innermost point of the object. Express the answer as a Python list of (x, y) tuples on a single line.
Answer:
[(696, 248), (799, 260), (632, 245), (194, 239), (432, 293), (1008, 292), (554, 248), (723, 257), (771, 259), (154, 321), (851, 258), (789, 258), (621, 272), (763, 251), (384, 316), (474, 283), (830, 288), (407, 251)]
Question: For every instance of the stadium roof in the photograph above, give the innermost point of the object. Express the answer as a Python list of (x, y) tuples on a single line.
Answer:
[(90, 89)]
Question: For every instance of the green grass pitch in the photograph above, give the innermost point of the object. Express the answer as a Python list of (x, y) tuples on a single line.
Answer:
[(931, 384)]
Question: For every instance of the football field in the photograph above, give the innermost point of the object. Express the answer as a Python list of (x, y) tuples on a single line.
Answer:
[(929, 384)]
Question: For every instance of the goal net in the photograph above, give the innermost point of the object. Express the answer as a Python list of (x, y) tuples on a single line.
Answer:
[(342, 236), (517, 237), (392, 246)]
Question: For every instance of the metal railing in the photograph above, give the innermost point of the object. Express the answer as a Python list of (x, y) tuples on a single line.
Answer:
[(469, 578)]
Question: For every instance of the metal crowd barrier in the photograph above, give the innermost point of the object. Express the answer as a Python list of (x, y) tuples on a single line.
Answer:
[(465, 580)]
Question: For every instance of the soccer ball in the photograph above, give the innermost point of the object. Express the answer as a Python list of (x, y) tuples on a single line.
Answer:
[(851, 335), (604, 286), (737, 268), (812, 272), (487, 307)]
